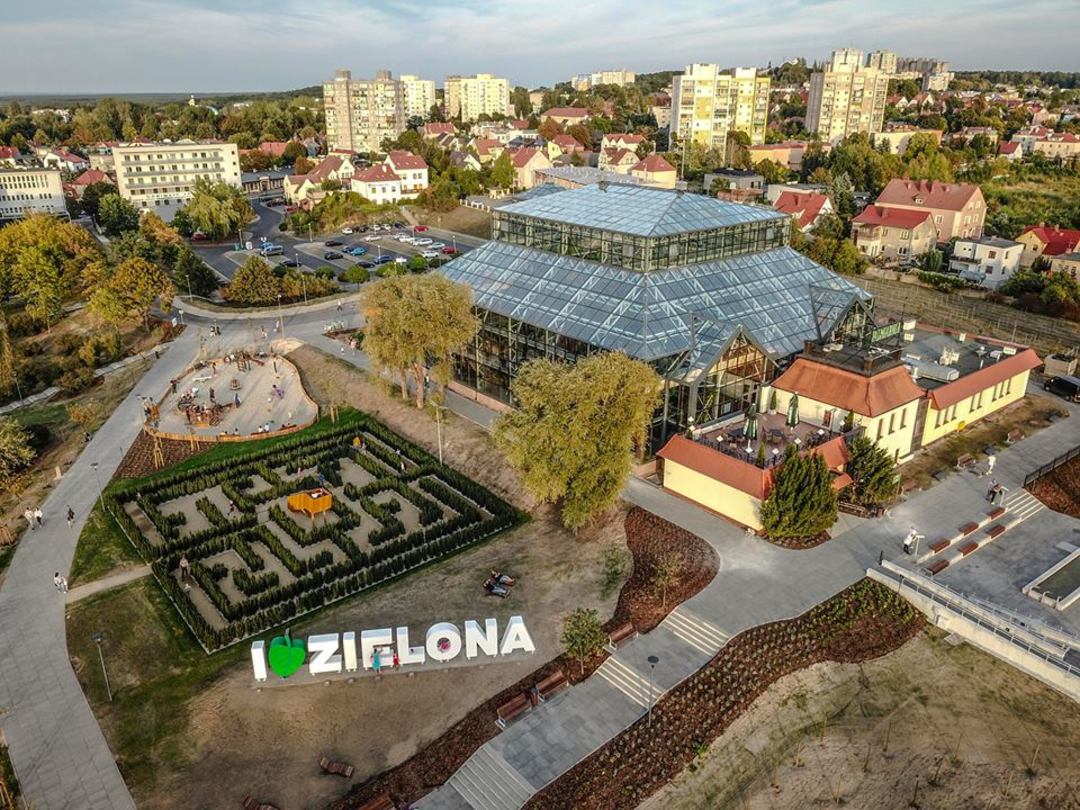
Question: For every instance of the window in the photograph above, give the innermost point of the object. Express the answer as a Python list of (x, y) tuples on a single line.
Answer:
[(938, 218), (903, 418), (892, 423), (880, 425)]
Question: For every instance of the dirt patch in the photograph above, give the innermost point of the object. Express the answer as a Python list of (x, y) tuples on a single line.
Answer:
[(470, 221), (139, 459), (862, 734), (1060, 489)]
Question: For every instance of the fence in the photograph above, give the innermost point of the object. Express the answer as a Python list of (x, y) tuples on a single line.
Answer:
[(1050, 466)]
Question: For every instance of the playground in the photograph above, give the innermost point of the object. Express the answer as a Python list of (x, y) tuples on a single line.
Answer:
[(242, 394)]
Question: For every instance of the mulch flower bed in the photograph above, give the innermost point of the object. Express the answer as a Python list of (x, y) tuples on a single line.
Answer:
[(799, 543), (139, 459), (864, 621), (648, 538), (1060, 489)]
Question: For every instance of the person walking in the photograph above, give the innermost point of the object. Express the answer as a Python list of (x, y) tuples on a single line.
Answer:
[(29, 515), (212, 397), (339, 306), (185, 568), (59, 582), (39, 516), (376, 661), (63, 584), (999, 495), (397, 661), (990, 493), (991, 460), (70, 517)]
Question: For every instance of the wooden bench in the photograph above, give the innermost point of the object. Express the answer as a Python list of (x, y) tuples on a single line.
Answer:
[(336, 768), (380, 802), (908, 485), (968, 528), (553, 683), (511, 709), (620, 636), (1014, 436), (249, 803), (964, 460), (996, 512), (938, 567), (995, 531), (968, 547), (939, 545)]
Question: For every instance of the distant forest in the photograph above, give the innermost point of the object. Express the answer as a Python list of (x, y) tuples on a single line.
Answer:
[(66, 100), (1043, 78)]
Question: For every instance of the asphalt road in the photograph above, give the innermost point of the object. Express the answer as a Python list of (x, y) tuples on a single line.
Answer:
[(309, 254)]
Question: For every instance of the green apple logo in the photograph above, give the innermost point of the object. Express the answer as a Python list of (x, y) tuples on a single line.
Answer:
[(286, 655)]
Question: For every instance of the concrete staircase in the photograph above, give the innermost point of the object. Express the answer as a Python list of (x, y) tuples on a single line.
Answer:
[(488, 782)]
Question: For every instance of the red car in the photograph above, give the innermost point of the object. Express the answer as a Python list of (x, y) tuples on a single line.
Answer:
[(450, 251), (419, 228), (199, 236)]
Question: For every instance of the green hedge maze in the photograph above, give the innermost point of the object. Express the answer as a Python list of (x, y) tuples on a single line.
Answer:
[(255, 565)]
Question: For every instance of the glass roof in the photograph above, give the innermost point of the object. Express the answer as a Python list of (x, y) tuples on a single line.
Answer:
[(647, 315), (640, 211)]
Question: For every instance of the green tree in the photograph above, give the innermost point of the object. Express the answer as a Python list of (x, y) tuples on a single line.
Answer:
[(583, 635), (254, 284), (519, 97), (92, 196), (417, 264), (772, 171), (413, 321), (802, 503), (7, 360), (873, 472), (130, 291), (502, 171), (293, 150), (576, 427), (666, 573), (191, 274), (355, 275), (117, 216), (16, 454), (217, 209)]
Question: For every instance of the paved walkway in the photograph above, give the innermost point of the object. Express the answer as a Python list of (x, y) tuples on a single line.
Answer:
[(107, 583)]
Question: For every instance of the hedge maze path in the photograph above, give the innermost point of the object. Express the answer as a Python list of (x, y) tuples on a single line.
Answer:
[(255, 565)]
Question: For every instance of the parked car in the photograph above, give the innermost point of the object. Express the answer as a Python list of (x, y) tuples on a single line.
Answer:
[(373, 238), (1064, 386), (420, 228), (291, 209), (399, 224), (346, 230), (356, 250), (290, 263), (430, 254), (385, 258), (199, 236), (367, 263), (400, 260), (422, 242), (271, 250), (438, 245), (330, 255), (333, 242), (450, 251)]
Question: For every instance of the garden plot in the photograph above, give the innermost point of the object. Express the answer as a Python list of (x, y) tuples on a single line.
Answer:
[(256, 564)]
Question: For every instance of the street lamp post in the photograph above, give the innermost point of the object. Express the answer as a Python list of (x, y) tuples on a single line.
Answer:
[(303, 284), (281, 317), (99, 637), (439, 408), (653, 661), (97, 480)]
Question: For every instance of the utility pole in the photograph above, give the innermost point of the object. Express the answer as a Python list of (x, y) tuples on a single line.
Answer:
[(98, 637), (653, 661)]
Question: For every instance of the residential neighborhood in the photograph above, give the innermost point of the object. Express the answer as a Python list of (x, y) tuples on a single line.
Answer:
[(583, 406)]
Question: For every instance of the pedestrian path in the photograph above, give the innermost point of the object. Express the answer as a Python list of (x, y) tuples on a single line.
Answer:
[(107, 583)]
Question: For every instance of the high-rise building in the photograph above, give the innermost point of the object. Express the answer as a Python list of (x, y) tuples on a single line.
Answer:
[(619, 78), (30, 191), (885, 61), (160, 176), (706, 104), (361, 113), (418, 95), (469, 97), (847, 98)]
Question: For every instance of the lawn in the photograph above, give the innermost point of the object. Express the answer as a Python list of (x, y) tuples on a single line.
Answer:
[(102, 550)]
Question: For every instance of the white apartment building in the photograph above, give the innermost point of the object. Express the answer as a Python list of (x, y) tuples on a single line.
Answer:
[(31, 191), (361, 113), (159, 177), (885, 61), (619, 78), (469, 97), (706, 104), (847, 98), (990, 261), (417, 95)]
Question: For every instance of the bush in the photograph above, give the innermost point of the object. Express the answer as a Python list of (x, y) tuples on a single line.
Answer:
[(355, 275), (325, 272), (100, 349), (942, 281), (75, 379), (38, 437)]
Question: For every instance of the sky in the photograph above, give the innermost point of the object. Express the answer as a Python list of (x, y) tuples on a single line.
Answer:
[(204, 46)]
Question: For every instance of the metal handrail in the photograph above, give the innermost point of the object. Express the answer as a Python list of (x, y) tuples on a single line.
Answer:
[(1050, 466)]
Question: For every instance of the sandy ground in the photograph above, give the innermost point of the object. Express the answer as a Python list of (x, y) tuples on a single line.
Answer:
[(258, 403), (964, 725), (240, 740)]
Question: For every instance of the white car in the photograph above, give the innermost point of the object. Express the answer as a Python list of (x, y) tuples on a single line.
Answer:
[(403, 238), (346, 230), (422, 242), (437, 245), (430, 254), (400, 260), (373, 238)]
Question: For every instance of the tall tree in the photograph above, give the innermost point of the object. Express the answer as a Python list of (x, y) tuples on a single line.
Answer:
[(117, 216), (253, 284), (583, 635), (217, 209), (15, 451), (502, 171), (576, 427), (873, 471), (7, 360), (42, 260), (194, 276), (413, 321), (802, 503), (92, 196), (130, 291)]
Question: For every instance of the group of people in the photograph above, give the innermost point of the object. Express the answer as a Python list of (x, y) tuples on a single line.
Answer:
[(377, 660), (34, 517)]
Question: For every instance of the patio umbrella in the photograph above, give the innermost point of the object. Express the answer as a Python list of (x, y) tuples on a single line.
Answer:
[(751, 426), (793, 411)]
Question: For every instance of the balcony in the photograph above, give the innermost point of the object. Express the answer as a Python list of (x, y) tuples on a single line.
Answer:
[(773, 434)]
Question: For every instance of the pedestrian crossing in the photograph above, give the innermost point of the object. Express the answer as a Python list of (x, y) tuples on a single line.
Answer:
[(700, 634), (628, 681)]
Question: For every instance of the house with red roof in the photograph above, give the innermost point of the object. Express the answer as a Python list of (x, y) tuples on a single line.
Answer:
[(1047, 241), (621, 140), (378, 183), (337, 167), (9, 155), (275, 149), (63, 159), (617, 159), (564, 145), (411, 169), (893, 234), (1027, 136), (1011, 150), (434, 129), (1058, 146), (566, 115), (488, 149), (958, 209), (526, 161), (78, 186), (805, 207), (655, 171)]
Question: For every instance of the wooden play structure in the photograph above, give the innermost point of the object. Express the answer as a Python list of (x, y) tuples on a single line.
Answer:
[(312, 502)]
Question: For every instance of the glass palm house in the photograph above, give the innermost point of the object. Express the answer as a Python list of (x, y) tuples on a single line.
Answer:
[(707, 292)]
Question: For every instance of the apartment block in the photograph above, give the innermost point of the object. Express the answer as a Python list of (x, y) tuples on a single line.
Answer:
[(619, 78), (847, 98), (160, 176), (361, 113), (885, 61), (30, 191), (707, 105), (418, 95), (469, 97)]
